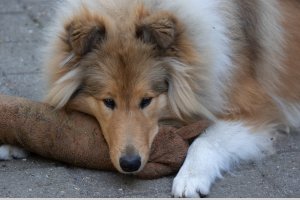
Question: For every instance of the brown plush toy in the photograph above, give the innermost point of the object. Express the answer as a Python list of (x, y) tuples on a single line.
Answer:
[(75, 138)]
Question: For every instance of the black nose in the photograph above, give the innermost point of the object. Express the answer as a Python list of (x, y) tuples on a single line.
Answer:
[(130, 163)]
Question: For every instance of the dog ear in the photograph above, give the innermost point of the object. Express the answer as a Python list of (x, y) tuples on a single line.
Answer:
[(159, 29), (83, 36)]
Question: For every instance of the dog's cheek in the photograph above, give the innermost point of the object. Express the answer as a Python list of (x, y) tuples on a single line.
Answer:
[(162, 102)]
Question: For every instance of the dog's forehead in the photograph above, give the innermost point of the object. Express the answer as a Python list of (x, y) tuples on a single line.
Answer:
[(126, 68), (125, 59), (120, 74), (128, 82)]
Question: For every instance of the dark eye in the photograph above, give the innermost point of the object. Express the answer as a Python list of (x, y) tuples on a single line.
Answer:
[(110, 103), (145, 102)]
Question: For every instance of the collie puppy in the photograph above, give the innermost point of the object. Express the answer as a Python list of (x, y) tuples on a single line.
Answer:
[(135, 63)]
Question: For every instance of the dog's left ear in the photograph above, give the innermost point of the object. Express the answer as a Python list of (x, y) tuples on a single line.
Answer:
[(158, 29), (85, 35)]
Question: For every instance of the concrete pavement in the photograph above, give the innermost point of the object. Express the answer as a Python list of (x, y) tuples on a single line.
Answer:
[(21, 25)]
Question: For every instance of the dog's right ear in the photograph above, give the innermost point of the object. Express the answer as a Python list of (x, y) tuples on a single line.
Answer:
[(83, 35), (159, 29)]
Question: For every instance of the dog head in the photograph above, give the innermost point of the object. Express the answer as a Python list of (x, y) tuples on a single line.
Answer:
[(122, 72)]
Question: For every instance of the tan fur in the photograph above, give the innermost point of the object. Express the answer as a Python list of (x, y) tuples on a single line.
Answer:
[(250, 99), (290, 82)]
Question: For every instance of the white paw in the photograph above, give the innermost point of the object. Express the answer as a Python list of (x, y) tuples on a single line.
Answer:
[(191, 185), (215, 151), (8, 152)]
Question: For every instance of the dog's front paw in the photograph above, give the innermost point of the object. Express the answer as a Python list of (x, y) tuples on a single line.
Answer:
[(188, 184), (8, 152)]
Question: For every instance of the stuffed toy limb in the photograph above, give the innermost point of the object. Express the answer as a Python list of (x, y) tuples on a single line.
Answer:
[(75, 138)]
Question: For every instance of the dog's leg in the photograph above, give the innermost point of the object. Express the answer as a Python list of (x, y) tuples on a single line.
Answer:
[(215, 151), (8, 152)]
